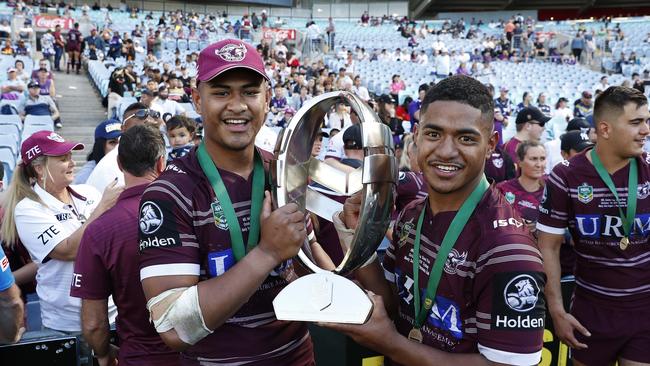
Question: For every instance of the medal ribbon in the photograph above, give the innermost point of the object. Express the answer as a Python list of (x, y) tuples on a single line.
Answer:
[(211, 172), (632, 184), (453, 232)]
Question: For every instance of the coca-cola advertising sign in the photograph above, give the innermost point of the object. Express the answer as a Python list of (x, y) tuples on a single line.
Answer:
[(279, 34), (49, 22)]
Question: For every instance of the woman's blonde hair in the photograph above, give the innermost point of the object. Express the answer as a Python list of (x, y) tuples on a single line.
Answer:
[(20, 187), (404, 161)]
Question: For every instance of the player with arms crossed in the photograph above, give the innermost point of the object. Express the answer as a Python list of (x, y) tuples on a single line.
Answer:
[(602, 196), (213, 255), (483, 302)]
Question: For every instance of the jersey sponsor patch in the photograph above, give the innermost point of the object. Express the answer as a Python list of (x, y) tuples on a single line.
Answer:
[(445, 315), (518, 301), (63, 216), (48, 234), (157, 227), (219, 262), (597, 226)]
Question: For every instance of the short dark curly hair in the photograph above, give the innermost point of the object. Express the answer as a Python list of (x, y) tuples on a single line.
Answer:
[(462, 89)]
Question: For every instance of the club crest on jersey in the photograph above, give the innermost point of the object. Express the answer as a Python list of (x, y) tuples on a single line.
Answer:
[(498, 163), (644, 191), (510, 197), (218, 215), (404, 233), (585, 193), (232, 52), (454, 259)]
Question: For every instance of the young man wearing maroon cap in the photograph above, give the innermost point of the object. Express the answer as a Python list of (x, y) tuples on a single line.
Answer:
[(602, 195), (107, 263), (213, 255), (474, 295)]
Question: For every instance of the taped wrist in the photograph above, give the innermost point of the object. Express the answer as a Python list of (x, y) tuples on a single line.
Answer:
[(345, 235), (179, 310)]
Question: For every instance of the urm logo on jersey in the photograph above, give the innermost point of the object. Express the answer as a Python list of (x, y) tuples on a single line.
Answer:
[(597, 226)]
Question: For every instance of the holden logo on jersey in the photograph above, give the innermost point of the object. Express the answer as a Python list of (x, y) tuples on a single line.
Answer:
[(498, 162), (644, 191), (219, 216), (521, 293), (151, 218), (510, 197), (585, 193), (454, 260), (232, 52)]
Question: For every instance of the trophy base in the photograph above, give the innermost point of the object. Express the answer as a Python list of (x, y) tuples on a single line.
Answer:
[(323, 297)]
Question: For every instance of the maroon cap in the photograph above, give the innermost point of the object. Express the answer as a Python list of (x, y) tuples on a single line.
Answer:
[(46, 143), (229, 54)]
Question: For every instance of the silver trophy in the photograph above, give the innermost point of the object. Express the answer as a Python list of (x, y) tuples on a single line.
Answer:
[(327, 296)]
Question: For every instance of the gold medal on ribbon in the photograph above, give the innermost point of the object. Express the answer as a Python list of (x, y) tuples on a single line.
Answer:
[(624, 243), (415, 335)]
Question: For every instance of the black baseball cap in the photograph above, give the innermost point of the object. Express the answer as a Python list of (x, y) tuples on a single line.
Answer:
[(577, 140), (33, 84), (352, 138), (577, 123), (529, 114)]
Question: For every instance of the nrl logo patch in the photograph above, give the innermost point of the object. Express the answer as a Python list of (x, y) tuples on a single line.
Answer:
[(232, 52), (510, 197), (404, 233), (585, 193), (219, 216)]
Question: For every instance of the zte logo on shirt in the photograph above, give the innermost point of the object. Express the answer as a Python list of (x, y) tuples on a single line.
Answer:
[(48, 234), (76, 280), (507, 222)]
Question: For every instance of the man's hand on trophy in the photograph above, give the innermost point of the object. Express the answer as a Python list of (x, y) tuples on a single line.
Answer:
[(351, 209), (282, 231)]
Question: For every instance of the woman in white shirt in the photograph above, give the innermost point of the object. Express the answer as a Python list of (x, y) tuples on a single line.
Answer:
[(340, 119), (50, 216)]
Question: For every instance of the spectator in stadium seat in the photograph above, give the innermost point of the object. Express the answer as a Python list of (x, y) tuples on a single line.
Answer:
[(360, 90), (49, 216), (526, 101), (42, 64), (169, 107), (39, 105), (12, 88), (46, 84), (414, 107), (107, 135), (21, 73), (583, 106), (542, 106), (107, 169), (396, 85), (12, 309), (107, 263), (530, 126)]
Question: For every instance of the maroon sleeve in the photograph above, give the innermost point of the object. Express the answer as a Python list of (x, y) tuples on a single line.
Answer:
[(555, 205), (91, 279)]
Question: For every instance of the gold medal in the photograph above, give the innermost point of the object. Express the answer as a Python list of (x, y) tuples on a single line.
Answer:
[(624, 243), (415, 335)]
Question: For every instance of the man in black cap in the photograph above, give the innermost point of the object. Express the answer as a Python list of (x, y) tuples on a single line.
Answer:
[(573, 143), (554, 152), (39, 105), (530, 126)]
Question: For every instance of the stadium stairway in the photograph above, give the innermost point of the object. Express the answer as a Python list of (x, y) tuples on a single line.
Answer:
[(81, 111)]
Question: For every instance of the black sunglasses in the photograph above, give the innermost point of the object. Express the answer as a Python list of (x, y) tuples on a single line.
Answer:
[(144, 113)]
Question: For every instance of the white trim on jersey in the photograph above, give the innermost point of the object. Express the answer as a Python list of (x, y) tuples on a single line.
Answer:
[(510, 358), (550, 229), (172, 269), (390, 276)]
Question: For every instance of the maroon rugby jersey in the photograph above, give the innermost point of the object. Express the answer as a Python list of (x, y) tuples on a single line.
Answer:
[(526, 203), (510, 148), (187, 238), (499, 166), (107, 264), (410, 186), (490, 297), (577, 198)]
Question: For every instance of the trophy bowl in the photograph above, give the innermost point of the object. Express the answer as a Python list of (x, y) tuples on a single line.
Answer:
[(326, 295)]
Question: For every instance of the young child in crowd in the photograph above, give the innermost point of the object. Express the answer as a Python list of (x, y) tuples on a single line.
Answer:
[(180, 131)]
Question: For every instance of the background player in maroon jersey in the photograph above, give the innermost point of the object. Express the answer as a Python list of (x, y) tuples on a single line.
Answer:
[(492, 278), (525, 193), (608, 319)]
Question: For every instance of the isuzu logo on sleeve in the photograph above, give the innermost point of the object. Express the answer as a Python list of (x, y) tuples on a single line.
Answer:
[(151, 218)]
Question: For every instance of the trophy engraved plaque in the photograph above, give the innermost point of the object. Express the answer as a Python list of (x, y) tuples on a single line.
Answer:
[(327, 296)]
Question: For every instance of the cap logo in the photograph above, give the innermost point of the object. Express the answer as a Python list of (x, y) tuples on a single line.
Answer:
[(528, 116), (232, 52), (55, 137), (584, 133), (113, 127), (33, 152)]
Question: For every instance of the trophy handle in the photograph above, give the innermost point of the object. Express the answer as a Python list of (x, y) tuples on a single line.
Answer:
[(290, 173)]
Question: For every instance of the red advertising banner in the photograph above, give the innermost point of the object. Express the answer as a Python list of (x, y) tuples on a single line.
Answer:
[(49, 22), (279, 34)]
